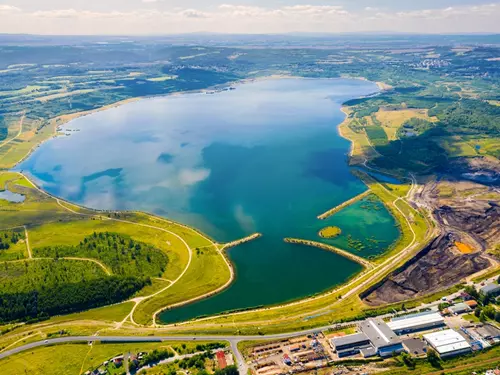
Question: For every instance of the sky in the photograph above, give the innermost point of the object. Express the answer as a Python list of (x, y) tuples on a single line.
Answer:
[(157, 17)]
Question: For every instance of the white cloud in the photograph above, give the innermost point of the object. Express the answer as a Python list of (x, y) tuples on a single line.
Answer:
[(246, 221), (481, 10), (4, 8), (188, 177), (235, 18), (58, 13), (286, 11), (193, 13)]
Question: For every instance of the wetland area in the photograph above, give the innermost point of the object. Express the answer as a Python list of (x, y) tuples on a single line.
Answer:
[(266, 157)]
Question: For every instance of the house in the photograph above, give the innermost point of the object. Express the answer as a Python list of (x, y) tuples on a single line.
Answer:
[(471, 303), (118, 361), (465, 296), (459, 308), (221, 359)]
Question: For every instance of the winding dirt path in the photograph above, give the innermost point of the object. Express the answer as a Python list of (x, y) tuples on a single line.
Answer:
[(139, 300)]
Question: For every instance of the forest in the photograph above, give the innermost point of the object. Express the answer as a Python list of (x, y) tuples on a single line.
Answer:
[(50, 284), (27, 275), (120, 253), (68, 297)]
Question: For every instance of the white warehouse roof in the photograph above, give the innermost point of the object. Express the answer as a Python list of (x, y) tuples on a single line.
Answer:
[(447, 341), (415, 321)]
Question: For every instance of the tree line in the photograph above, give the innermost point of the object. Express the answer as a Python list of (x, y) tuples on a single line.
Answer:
[(68, 298)]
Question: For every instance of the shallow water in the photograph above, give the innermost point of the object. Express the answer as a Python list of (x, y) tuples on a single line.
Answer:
[(11, 196), (265, 157), (368, 229)]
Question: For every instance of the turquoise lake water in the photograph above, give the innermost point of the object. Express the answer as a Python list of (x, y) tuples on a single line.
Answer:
[(265, 158)]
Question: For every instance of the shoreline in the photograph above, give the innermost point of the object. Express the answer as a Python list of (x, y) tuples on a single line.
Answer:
[(222, 251), (73, 116), (70, 117)]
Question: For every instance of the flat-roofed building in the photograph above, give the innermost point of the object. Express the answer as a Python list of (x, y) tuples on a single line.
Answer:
[(459, 308), (368, 352), (415, 346), (416, 322), (350, 344), (490, 289), (349, 341), (383, 339), (488, 332), (448, 343)]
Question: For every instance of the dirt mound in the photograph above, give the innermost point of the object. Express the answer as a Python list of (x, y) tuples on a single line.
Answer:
[(439, 266), (479, 219)]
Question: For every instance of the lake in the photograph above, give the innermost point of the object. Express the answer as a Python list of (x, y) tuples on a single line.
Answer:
[(266, 157)]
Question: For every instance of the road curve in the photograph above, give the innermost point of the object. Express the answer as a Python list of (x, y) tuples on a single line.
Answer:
[(233, 340)]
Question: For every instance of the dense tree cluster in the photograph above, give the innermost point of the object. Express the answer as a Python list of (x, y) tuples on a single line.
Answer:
[(45, 273), (433, 358), (9, 238), (413, 127), (408, 360), (68, 297), (472, 117), (152, 357), (121, 253), (229, 370), (197, 361), (209, 346)]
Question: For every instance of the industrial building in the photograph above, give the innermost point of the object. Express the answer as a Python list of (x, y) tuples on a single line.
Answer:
[(416, 322), (350, 345), (375, 338), (488, 332), (490, 289), (459, 308), (448, 343), (382, 338)]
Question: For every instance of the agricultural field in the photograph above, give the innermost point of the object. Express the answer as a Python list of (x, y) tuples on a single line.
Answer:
[(391, 121)]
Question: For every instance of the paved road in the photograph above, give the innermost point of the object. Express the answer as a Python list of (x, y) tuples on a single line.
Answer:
[(233, 341)]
